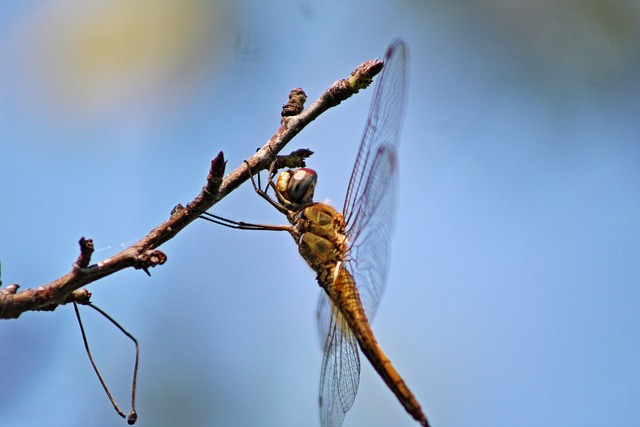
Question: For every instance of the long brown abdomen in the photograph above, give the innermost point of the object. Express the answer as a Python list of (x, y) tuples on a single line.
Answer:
[(343, 293)]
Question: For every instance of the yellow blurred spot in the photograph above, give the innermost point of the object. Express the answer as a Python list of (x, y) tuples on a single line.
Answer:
[(97, 55)]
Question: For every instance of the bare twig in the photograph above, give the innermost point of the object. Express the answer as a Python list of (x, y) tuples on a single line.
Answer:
[(143, 254)]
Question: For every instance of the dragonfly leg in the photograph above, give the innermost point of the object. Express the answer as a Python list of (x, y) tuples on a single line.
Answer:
[(241, 225), (263, 193), (270, 177), (272, 172)]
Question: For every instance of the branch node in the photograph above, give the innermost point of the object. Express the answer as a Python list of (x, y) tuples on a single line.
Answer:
[(176, 209), (293, 160), (80, 296), (216, 173), (86, 250), (10, 289), (295, 105), (150, 259)]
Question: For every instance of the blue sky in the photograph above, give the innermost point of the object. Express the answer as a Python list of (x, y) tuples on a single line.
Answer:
[(515, 278)]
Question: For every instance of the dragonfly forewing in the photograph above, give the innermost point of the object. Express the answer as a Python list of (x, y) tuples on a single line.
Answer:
[(370, 235), (368, 207)]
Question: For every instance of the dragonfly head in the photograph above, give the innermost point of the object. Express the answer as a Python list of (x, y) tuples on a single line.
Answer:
[(297, 186)]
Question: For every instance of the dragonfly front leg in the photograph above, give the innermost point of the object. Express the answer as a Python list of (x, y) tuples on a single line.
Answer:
[(241, 225), (263, 193)]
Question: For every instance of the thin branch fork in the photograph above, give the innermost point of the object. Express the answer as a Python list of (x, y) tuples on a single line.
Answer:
[(144, 253)]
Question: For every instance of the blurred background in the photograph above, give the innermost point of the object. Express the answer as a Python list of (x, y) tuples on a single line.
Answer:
[(515, 279)]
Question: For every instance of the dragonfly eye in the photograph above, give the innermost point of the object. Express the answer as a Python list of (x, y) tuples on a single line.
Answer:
[(301, 185)]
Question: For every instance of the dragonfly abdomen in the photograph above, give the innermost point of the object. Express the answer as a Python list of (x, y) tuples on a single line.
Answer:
[(344, 295), (323, 245)]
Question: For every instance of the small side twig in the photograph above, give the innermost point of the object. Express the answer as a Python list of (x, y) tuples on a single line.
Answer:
[(86, 250), (297, 98), (294, 160)]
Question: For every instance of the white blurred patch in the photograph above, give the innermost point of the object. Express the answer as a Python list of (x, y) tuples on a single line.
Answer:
[(328, 201)]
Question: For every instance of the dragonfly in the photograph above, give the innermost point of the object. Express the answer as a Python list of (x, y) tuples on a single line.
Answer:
[(349, 251)]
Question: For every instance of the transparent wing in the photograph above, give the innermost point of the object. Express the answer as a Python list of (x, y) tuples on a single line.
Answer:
[(370, 235), (368, 208), (368, 211), (340, 375)]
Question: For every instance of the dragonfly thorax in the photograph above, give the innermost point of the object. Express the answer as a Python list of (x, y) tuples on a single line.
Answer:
[(318, 229), (322, 241), (296, 187)]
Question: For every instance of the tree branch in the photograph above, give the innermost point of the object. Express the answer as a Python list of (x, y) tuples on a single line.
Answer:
[(144, 253)]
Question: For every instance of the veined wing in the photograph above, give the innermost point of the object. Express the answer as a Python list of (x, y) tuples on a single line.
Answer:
[(368, 208), (368, 211), (340, 374)]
